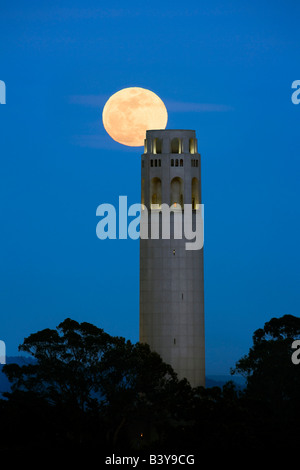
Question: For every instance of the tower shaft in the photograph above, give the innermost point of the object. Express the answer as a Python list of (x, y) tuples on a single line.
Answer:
[(171, 276)]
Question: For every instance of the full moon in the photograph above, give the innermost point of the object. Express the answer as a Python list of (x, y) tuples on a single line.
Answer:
[(130, 112)]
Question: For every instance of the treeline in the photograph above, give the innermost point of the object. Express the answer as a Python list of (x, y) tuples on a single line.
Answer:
[(88, 390)]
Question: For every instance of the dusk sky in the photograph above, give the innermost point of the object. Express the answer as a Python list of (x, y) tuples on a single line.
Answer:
[(222, 68)]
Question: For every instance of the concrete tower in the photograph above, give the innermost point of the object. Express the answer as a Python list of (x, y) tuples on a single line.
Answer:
[(171, 276)]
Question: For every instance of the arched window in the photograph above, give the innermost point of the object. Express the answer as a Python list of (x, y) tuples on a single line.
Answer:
[(195, 193), (155, 193), (176, 162), (157, 144), (175, 145), (172, 162), (155, 162), (181, 162), (176, 192), (159, 162), (151, 162), (196, 161), (192, 145)]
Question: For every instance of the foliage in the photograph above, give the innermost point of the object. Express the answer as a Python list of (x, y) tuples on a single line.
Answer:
[(86, 389), (67, 363), (271, 375)]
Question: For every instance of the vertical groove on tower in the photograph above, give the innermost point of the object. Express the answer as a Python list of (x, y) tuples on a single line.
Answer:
[(171, 277)]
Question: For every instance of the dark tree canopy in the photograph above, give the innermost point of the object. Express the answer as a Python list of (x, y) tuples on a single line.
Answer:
[(80, 368), (86, 389), (67, 361), (78, 362), (271, 375)]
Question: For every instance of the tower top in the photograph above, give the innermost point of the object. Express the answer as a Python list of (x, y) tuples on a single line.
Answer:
[(170, 132), (170, 141)]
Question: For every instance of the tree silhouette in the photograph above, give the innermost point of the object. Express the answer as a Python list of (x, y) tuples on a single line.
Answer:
[(272, 378), (85, 389), (85, 375), (67, 363)]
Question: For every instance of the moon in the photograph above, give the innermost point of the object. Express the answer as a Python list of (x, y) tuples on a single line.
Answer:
[(130, 112)]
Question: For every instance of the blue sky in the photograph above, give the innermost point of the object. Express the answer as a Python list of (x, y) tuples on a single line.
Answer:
[(223, 68)]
